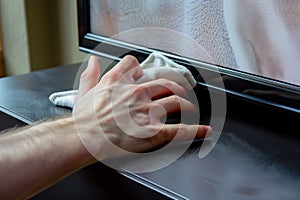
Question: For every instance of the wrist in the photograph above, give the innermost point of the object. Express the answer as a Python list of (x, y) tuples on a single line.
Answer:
[(69, 141)]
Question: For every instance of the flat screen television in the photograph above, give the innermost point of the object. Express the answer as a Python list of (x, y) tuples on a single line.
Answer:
[(254, 47)]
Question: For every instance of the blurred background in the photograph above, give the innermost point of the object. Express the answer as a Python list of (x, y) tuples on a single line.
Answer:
[(37, 34)]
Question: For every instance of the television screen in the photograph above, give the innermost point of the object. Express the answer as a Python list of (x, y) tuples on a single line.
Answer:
[(254, 45)]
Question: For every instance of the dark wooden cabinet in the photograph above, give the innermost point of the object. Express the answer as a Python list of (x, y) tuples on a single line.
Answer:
[(256, 157)]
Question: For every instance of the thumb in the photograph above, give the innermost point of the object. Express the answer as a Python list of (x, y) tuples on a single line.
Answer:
[(89, 77)]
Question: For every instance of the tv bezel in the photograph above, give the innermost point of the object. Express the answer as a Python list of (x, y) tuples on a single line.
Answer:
[(277, 94)]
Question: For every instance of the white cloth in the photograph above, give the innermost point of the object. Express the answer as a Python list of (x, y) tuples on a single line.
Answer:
[(63, 98), (156, 66)]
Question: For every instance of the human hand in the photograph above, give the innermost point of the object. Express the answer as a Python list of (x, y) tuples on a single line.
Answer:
[(117, 115)]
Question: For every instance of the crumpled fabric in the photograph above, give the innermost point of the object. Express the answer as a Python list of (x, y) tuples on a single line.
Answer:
[(155, 66)]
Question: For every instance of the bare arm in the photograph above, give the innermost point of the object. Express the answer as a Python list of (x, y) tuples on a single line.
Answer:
[(36, 157), (39, 156)]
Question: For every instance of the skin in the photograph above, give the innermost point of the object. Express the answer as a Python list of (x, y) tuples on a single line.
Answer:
[(35, 157)]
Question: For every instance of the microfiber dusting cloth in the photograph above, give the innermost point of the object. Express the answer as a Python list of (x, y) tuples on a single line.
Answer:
[(155, 66)]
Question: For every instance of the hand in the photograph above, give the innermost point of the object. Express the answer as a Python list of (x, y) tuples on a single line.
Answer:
[(113, 117), (118, 112)]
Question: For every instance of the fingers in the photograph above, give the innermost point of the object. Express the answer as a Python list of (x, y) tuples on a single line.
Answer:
[(89, 77), (173, 104), (183, 132), (127, 69), (163, 87)]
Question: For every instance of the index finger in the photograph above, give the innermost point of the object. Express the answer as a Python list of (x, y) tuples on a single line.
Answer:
[(163, 87), (128, 68)]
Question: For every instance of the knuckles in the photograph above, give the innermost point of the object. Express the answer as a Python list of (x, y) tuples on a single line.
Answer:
[(140, 92), (110, 77), (175, 99), (131, 59), (165, 82), (84, 75)]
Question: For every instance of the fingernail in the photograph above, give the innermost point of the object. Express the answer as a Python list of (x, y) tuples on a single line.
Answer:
[(208, 131), (88, 67), (91, 61)]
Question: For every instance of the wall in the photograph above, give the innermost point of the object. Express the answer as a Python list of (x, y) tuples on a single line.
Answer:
[(14, 37), (39, 34), (1, 56), (67, 38)]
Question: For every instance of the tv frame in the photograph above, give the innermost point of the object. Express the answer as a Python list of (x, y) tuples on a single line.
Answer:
[(265, 91)]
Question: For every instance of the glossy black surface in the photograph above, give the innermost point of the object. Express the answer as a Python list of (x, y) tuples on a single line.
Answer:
[(7, 121), (26, 101), (256, 157), (27, 95), (280, 95)]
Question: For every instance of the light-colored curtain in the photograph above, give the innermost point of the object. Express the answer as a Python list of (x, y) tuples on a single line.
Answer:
[(256, 36)]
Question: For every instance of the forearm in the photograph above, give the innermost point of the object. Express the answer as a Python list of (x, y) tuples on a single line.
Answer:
[(39, 156), (33, 158)]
